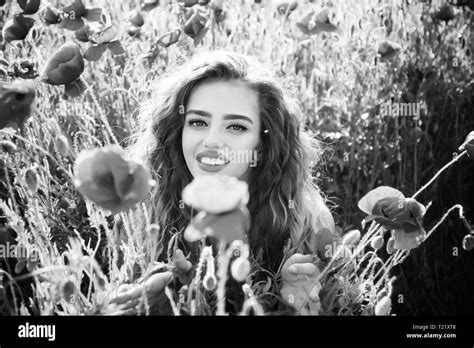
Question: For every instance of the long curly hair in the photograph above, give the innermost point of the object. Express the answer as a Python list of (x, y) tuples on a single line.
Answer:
[(285, 202)]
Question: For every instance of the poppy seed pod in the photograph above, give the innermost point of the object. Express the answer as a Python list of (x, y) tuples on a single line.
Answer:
[(240, 269), (64, 67), (29, 6), (50, 15), (17, 28)]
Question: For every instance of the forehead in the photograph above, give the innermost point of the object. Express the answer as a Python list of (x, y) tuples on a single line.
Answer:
[(224, 97)]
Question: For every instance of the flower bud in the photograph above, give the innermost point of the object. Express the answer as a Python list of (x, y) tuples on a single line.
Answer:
[(351, 237), (62, 146), (31, 179), (240, 269), (209, 282), (384, 306), (391, 245), (154, 230), (68, 289), (468, 242), (376, 242), (8, 147), (20, 265)]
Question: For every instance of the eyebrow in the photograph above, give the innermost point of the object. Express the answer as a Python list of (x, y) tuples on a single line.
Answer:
[(226, 116)]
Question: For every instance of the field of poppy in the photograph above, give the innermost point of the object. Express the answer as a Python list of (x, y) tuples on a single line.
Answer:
[(387, 85)]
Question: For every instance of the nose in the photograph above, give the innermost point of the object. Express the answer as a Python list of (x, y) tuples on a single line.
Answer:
[(213, 138)]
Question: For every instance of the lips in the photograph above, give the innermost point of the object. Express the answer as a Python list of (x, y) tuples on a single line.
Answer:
[(212, 158), (211, 161)]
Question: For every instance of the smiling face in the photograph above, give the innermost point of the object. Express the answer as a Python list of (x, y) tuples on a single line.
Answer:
[(222, 129)]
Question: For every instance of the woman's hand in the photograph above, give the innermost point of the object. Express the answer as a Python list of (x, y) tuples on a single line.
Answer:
[(297, 290), (129, 296)]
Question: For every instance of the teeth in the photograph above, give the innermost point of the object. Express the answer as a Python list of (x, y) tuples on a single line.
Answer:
[(212, 161)]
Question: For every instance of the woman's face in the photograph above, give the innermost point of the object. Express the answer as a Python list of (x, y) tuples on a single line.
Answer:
[(222, 129)]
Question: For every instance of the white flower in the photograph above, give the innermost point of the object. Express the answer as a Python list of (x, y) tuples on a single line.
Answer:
[(216, 193)]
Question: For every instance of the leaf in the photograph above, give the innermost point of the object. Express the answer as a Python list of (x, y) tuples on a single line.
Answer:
[(116, 47), (93, 14), (367, 203), (71, 24), (94, 52)]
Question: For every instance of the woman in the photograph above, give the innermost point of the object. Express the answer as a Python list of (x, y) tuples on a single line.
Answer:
[(223, 102)]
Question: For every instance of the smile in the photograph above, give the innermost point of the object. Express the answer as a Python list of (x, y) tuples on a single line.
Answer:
[(212, 161)]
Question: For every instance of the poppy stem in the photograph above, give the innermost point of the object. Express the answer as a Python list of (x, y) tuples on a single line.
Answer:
[(461, 215), (455, 159)]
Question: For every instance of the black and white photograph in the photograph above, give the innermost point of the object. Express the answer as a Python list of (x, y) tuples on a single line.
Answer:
[(230, 158)]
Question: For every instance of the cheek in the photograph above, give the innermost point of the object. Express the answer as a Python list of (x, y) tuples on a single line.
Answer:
[(189, 142)]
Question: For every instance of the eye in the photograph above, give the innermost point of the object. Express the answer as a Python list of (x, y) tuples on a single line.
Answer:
[(238, 127), (196, 123)]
